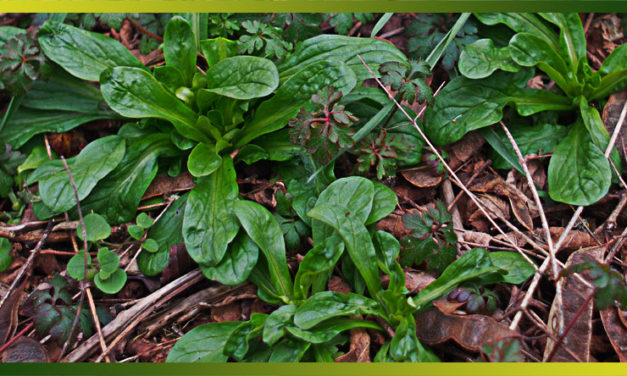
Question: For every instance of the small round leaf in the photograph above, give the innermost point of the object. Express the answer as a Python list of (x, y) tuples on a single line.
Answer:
[(150, 245), (135, 231), (144, 221), (109, 262), (76, 266), (96, 227), (113, 284)]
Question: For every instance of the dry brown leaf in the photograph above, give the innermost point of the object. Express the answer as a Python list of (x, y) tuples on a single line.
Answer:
[(422, 178), (337, 284), (464, 149), (179, 263), (393, 224), (164, 184), (25, 350), (564, 309), (417, 280), (447, 306), (359, 348), (614, 323), (470, 331), (9, 312), (480, 238), (229, 312), (494, 205)]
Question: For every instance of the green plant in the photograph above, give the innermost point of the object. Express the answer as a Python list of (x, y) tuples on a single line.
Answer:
[(578, 172), (432, 239), (214, 115), (21, 60), (5, 254), (609, 285)]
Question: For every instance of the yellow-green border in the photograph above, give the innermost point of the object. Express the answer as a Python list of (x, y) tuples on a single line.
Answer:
[(312, 5)]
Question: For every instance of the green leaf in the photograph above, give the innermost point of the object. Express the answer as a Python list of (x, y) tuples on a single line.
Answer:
[(239, 341), (143, 220), (579, 173), (113, 284), (317, 263), (404, 347), (36, 158), (480, 59), (274, 113), (613, 73), (136, 232), (236, 265), (464, 105), (150, 245), (109, 262), (274, 328), (76, 266), (472, 264), (530, 50), (203, 160), (209, 224), (96, 228), (204, 343), (383, 204), (326, 331), (179, 47), (92, 164), (5, 254), (289, 350), (357, 240), (329, 304), (264, 230), (341, 48), (117, 197), (518, 269), (443, 45), (521, 23), (243, 77), (83, 53), (572, 39), (388, 249), (217, 49), (134, 93), (597, 131)]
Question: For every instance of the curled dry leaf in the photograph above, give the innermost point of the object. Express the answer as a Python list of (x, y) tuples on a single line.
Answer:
[(464, 149), (422, 178), (25, 350), (359, 347), (564, 310), (614, 323), (471, 332), (494, 205), (475, 237), (9, 311), (229, 312)]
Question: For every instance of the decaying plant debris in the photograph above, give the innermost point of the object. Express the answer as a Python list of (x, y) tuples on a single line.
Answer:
[(347, 187)]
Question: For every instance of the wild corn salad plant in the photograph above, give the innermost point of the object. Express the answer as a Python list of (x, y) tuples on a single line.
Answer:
[(265, 187)]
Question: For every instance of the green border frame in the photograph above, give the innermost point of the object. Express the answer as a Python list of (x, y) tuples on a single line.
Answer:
[(309, 369)]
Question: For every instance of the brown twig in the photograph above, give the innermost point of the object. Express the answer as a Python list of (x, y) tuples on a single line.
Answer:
[(16, 337), (472, 178), (141, 28)]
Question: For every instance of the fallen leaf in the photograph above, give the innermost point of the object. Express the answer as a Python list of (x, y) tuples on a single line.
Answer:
[(229, 312), (9, 311), (614, 324), (471, 332), (570, 296), (416, 280), (337, 284), (422, 178), (359, 350), (164, 185), (464, 149), (25, 350)]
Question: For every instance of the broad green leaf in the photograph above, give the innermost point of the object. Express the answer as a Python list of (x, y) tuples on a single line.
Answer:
[(357, 240), (217, 49), (179, 47), (144, 221), (109, 262), (264, 230), (76, 266), (518, 269), (274, 328), (134, 93), (579, 173), (616, 61), (328, 47), (204, 343), (472, 264), (289, 351), (388, 249), (83, 53), (113, 284), (572, 39), (9, 32), (5, 254), (236, 265), (25, 123), (260, 277), (243, 77), (597, 131), (92, 164), (36, 158), (209, 224), (317, 263), (521, 23), (117, 197), (383, 204), (169, 76), (530, 50), (464, 105), (329, 304), (404, 347), (203, 160), (326, 331), (273, 114), (150, 245), (96, 228), (239, 341), (481, 58), (613, 73)]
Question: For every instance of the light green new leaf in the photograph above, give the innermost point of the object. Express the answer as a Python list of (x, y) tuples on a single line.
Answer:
[(480, 59), (217, 49), (92, 164), (264, 230), (572, 39), (113, 284), (579, 173), (203, 160), (243, 77), (204, 343), (209, 224), (109, 262), (83, 53)]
